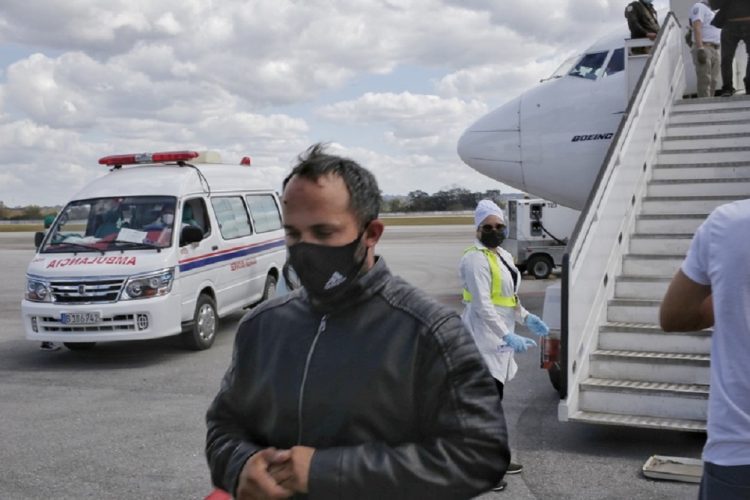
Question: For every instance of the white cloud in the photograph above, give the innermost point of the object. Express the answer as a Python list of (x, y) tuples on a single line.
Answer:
[(414, 122), (495, 82), (262, 78), (405, 173)]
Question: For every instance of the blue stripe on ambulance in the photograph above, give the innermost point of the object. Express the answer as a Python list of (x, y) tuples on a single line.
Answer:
[(231, 255)]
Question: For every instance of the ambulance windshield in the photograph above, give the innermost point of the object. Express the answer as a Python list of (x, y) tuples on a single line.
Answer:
[(116, 223)]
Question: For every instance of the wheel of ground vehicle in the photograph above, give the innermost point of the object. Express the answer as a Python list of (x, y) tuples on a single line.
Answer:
[(79, 346), (540, 266), (269, 290), (555, 376), (202, 331)]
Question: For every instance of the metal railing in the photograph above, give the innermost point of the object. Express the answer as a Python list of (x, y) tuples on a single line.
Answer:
[(601, 237)]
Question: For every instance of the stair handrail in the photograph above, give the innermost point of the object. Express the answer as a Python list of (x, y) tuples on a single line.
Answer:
[(593, 255)]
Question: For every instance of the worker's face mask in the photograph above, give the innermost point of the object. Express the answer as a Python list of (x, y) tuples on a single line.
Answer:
[(167, 219), (327, 272), (492, 236)]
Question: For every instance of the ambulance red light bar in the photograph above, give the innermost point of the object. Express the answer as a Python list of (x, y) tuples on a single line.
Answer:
[(143, 158)]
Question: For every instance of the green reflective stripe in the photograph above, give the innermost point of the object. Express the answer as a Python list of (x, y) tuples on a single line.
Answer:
[(496, 280)]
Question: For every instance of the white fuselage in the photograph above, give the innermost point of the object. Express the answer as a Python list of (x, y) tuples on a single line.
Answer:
[(551, 140)]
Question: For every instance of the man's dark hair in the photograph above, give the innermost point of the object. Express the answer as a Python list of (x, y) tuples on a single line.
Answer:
[(363, 189)]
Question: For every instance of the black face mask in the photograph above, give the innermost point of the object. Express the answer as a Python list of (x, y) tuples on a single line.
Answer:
[(327, 272), (492, 239)]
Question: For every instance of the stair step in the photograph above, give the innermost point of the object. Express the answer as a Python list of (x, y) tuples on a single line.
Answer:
[(632, 336), (698, 391), (675, 205), (741, 112), (660, 243), (641, 287), (735, 170), (707, 103), (669, 223), (651, 265), (634, 310), (675, 424), (706, 155), (644, 398), (702, 129), (699, 187), (649, 366), (708, 141)]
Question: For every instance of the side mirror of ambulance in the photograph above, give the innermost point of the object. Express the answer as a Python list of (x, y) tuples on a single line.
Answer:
[(38, 238), (190, 234)]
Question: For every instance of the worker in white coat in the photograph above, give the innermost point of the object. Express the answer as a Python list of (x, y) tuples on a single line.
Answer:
[(490, 294)]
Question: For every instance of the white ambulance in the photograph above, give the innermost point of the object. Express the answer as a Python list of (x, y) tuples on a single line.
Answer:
[(165, 243)]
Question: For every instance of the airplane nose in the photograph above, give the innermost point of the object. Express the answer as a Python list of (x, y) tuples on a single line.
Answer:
[(492, 145)]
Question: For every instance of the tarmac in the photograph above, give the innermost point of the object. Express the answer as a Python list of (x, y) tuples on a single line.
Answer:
[(126, 419)]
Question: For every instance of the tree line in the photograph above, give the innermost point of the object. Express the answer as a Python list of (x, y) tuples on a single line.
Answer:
[(30, 212), (451, 200)]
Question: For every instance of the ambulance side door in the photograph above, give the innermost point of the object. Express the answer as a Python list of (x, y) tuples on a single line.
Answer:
[(196, 269), (266, 217), (236, 246)]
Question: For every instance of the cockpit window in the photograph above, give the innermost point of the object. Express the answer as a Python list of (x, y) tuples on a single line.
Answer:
[(563, 69), (590, 66), (616, 62)]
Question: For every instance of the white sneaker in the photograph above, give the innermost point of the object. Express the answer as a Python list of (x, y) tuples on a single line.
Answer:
[(514, 468), (500, 486)]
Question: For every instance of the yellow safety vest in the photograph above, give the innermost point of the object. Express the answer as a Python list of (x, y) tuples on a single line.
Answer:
[(496, 280)]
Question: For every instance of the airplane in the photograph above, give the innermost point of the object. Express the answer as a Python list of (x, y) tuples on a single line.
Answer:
[(551, 140)]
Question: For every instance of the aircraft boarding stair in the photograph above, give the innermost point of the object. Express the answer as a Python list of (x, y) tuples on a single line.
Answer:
[(638, 375)]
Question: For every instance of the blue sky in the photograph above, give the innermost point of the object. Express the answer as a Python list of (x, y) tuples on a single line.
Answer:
[(391, 84)]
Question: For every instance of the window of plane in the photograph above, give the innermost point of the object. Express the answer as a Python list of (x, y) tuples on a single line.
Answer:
[(616, 62), (590, 66), (563, 69)]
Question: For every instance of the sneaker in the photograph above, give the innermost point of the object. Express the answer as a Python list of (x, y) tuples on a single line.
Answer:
[(500, 486), (514, 468), (49, 346), (727, 92)]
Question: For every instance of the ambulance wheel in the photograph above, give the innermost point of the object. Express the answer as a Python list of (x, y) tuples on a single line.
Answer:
[(202, 331), (540, 266), (79, 346), (555, 376), (269, 290)]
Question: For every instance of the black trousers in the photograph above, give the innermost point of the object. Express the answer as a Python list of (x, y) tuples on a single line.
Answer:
[(721, 482), (731, 35), (499, 386)]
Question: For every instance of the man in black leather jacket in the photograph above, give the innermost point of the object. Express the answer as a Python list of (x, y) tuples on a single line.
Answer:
[(357, 385)]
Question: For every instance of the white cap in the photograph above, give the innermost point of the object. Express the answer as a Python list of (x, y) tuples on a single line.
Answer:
[(486, 208)]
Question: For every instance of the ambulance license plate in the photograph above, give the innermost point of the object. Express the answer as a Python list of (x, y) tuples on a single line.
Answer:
[(87, 318)]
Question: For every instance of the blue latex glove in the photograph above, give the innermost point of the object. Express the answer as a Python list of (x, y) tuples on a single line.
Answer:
[(518, 343), (536, 325)]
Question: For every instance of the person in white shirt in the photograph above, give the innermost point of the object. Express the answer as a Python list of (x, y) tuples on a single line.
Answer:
[(712, 287), (490, 282), (706, 43)]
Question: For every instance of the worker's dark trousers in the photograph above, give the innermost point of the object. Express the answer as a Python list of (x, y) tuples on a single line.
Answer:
[(731, 35), (499, 386), (724, 482)]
